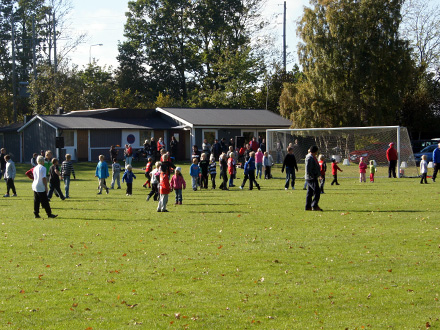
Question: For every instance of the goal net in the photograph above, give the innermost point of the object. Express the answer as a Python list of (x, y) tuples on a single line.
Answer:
[(347, 145)]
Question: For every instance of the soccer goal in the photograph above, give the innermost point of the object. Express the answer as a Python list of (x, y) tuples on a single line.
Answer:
[(347, 145)]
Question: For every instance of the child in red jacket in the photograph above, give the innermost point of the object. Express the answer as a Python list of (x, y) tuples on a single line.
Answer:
[(148, 170), (164, 189), (177, 183), (335, 169), (362, 170)]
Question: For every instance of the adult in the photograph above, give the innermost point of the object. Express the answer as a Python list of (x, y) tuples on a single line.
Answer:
[(313, 174), (113, 153), (160, 144), (231, 143), (216, 149), (290, 165), (279, 148), (206, 148), (39, 186), (174, 147), (263, 145), (195, 154), (128, 153), (254, 144), (436, 161), (247, 152), (223, 145), (2, 161), (153, 148), (392, 160), (48, 160)]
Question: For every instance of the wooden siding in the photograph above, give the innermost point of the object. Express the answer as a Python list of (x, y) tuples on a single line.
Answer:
[(38, 136)]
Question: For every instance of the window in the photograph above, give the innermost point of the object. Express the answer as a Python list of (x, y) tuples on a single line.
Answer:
[(210, 135), (144, 135), (248, 135), (69, 138), (262, 134)]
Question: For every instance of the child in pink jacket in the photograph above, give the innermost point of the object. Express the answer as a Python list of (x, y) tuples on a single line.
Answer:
[(259, 162), (177, 183), (362, 170)]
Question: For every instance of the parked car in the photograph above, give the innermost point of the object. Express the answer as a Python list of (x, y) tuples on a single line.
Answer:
[(426, 151), (419, 145), (375, 151)]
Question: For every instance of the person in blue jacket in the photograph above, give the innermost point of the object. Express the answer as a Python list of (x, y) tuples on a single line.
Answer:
[(102, 173), (128, 178), (249, 172), (436, 161)]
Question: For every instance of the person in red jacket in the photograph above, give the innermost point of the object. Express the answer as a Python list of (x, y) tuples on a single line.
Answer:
[(335, 169), (392, 160), (164, 189)]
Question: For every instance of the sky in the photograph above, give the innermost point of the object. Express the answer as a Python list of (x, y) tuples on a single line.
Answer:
[(103, 21)]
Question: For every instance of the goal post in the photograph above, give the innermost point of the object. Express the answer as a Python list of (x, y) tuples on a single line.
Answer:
[(347, 145)]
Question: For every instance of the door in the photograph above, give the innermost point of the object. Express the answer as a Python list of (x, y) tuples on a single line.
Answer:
[(83, 145)]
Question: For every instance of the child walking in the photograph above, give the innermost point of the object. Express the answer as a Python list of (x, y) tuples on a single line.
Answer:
[(290, 165), (148, 170), (102, 173), (155, 176), (323, 166), (116, 174), (54, 180), (164, 189), (423, 169), (231, 169), (9, 176), (335, 169), (204, 170), (373, 170), (177, 184), (66, 171), (362, 170), (267, 163), (194, 171), (128, 178), (249, 172), (212, 170)]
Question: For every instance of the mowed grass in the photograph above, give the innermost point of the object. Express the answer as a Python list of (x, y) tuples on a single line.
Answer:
[(224, 259)]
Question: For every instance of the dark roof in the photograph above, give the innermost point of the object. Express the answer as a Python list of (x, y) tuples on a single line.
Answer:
[(11, 128), (112, 113), (227, 117)]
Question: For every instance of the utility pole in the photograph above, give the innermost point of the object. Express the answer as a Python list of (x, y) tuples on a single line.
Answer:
[(284, 39), (34, 55), (55, 64), (14, 88)]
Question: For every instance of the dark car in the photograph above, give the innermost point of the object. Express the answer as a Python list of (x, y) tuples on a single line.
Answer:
[(426, 151), (419, 145)]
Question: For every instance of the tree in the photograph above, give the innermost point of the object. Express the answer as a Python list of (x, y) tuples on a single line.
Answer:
[(355, 65)]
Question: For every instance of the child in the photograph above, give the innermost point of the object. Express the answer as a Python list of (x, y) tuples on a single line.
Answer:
[(204, 166), (102, 173), (194, 171), (362, 170), (155, 176), (177, 183), (373, 170), (335, 169), (10, 176), (259, 162), (267, 163), (212, 170), (128, 178), (54, 180), (148, 170), (223, 171), (423, 169), (290, 165), (164, 190), (323, 166), (249, 172), (66, 171), (116, 174), (231, 169)]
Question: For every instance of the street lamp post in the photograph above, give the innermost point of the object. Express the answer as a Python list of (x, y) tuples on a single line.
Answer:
[(90, 52)]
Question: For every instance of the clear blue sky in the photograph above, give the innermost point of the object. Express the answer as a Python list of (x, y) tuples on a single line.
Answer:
[(103, 21)]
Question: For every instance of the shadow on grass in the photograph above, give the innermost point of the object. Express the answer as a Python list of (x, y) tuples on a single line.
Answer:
[(376, 211)]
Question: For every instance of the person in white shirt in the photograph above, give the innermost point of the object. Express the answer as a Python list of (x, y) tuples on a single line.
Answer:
[(39, 186), (10, 176), (423, 169)]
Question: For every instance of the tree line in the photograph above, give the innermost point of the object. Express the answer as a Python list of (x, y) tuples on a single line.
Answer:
[(363, 62)]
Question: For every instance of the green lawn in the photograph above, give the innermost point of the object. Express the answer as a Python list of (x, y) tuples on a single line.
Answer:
[(224, 259)]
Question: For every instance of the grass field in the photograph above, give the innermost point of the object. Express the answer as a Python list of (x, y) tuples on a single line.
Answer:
[(224, 259)]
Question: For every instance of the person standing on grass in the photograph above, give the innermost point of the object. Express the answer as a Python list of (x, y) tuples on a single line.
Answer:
[(323, 166), (164, 189), (54, 181), (34, 159), (423, 169), (10, 176), (335, 169), (2, 161), (102, 173), (116, 174), (66, 171), (312, 176), (373, 170), (194, 172), (231, 169), (128, 178), (39, 186), (267, 164), (204, 171), (113, 152), (249, 172), (48, 160), (128, 153), (212, 170), (436, 161), (223, 171), (177, 184), (362, 170), (259, 162), (392, 160), (290, 165), (148, 170), (155, 176)]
